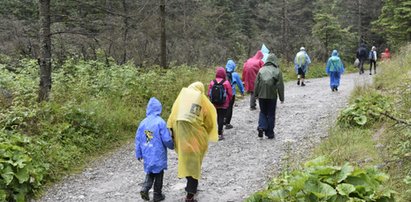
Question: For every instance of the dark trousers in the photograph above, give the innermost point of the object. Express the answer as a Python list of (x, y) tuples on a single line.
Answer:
[(266, 120), (361, 65), (220, 119), (192, 185), (230, 111), (153, 178), (375, 66), (253, 101)]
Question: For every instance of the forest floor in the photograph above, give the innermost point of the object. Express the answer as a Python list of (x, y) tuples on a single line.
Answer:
[(233, 168)]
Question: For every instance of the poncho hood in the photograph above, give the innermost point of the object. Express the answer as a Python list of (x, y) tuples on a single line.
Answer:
[(259, 55), (154, 107), (220, 73), (230, 66), (197, 86), (272, 59)]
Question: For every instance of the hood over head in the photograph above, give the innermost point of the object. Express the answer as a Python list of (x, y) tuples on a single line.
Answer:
[(302, 49), (387, 50), (197, 86), (259, 55), (230, 66), (334, 53), (272, 59), (153, 107), (220, 73)]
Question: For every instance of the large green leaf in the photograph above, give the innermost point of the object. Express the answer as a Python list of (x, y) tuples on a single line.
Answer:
[(360, 120), (345, 189), (319, 189), (8, 174), (325, 170), (345, 171), (22, 175)]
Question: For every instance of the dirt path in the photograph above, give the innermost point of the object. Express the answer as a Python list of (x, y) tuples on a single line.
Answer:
[(233, 168)]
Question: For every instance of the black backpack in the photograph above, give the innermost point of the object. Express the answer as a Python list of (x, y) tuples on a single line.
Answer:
[(230, 78), (218, 93)]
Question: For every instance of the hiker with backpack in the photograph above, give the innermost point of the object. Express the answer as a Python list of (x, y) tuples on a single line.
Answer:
[(334, 69), (220, 94), (301, 61), (234, 80), (193, 123), (152, 140), (250, 70), (362, 56), (268, 84), (373, 59)]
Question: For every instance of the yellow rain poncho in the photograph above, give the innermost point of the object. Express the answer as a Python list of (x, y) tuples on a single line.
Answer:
[(193, 120)]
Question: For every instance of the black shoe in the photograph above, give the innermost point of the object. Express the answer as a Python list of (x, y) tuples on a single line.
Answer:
[(332, 89), (229, 126), (302, 84), (370, 73), (253, 108), (271, 137), (144, 195), (158, 197), (298, 82), (220, 137), (260, 133), (336, 89), (191, 199)]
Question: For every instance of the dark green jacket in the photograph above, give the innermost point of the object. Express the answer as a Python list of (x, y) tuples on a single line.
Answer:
[(269, 80)]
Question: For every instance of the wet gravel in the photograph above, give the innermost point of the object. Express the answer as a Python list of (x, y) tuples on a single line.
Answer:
[(233, 168)]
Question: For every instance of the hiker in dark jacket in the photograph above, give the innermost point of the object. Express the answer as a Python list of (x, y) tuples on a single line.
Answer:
[(362, 55), (234, 80), (268, 84)]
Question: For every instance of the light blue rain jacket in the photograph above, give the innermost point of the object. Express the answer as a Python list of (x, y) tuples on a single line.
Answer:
[(334, 63), (230, 67), (153, 138), (302, 62)]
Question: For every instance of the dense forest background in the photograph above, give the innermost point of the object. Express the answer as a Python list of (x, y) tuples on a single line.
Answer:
[(202, 32)]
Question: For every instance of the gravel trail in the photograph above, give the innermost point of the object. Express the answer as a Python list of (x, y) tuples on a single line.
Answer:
[(233, 168)]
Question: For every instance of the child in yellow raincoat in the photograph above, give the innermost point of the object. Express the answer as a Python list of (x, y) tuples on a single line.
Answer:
[(193, 122)]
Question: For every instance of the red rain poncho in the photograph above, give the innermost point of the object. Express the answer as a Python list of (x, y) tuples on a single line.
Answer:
[(250, 70)]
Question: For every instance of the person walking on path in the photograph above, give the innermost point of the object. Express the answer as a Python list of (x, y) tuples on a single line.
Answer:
[(193, 123), (250, 70), (234, 80), (152, 140), (386, 55), (362, 56), (301, 61), (373, 59), (268, 84), (334, 69), (220, 93)]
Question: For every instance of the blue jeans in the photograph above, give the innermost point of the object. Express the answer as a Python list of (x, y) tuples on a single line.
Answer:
[(266, 120)]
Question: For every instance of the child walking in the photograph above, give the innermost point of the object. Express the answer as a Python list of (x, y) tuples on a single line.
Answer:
[(152, 140)]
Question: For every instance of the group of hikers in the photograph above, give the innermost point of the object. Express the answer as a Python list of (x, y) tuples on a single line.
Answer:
[(199, 116)]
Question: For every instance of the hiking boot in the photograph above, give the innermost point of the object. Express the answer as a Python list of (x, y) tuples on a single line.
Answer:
[(298, 82), (253, 108), (260, 133), (302, 84), (191, 199), (229, 126), (336, 89), (220, 137), (332, 89), (370, 73), (158, 197), (144, 195)]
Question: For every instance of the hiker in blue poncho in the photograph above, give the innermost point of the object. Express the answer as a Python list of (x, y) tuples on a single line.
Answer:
[(152, 140), (334, 68), (235, 80), (301, 61)]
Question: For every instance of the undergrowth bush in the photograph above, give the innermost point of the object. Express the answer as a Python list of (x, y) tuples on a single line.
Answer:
[(320, 181)]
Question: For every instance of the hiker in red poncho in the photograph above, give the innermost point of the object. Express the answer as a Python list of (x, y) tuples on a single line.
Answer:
[(250, 70), (386, 55)]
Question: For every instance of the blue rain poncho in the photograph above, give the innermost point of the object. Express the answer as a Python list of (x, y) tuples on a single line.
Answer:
[(302, 60), (152, 138), (334, 68), (230, 67)]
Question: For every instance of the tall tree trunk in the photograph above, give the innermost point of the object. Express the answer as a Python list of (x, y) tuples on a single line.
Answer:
[(361, 37), (163, 45), (45, 50), (125, 34), (285, 31)]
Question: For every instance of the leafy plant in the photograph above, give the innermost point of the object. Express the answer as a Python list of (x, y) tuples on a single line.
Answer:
[(365, 110), (20, 175), (319, 181)]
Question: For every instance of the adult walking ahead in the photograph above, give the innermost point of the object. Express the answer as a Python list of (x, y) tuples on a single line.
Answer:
[(334, 68), (362, 55), (234, 80), (193, 123), (301, 61), (250, 71), (268, 84)]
